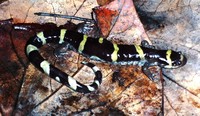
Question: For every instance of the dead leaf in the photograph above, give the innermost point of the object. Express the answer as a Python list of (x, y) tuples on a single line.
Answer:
[(126, 26)]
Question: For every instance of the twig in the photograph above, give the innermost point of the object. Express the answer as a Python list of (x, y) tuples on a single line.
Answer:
[(64, 16)]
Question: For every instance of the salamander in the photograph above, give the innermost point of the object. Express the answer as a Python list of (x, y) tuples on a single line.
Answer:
[(98, 49)]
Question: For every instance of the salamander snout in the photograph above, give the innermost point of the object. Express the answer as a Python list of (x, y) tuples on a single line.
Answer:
[(180, 61), (173, 59)]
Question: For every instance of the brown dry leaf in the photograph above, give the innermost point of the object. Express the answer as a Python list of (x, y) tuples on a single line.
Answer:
[(126, 26), (103, 2), (105, 17)]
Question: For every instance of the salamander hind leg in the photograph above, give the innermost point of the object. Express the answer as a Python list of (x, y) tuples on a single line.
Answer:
[(62, 50)]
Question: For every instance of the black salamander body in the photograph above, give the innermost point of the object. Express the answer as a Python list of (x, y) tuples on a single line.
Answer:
[(98, 49)]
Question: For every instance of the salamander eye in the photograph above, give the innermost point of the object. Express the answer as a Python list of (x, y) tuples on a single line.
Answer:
[(177, 63)]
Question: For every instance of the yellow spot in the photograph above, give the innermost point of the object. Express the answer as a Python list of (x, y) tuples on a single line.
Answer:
[(82, 44), (182, 57), (97, 82), (57, 79), (90, 88), (30, 48), (45, 66), (169, 60), (114, 54), (62, 35), (140, 52), (100, 40), (41, 36), (72, 83)]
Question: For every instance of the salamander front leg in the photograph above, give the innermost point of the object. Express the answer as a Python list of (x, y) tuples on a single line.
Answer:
[(147, 72), (146, 44)]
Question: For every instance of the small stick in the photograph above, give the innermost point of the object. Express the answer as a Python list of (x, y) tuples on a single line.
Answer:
[(64, 16), (163, 89)]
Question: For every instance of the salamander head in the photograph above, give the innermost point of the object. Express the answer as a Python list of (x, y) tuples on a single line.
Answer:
[(172, 59)]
